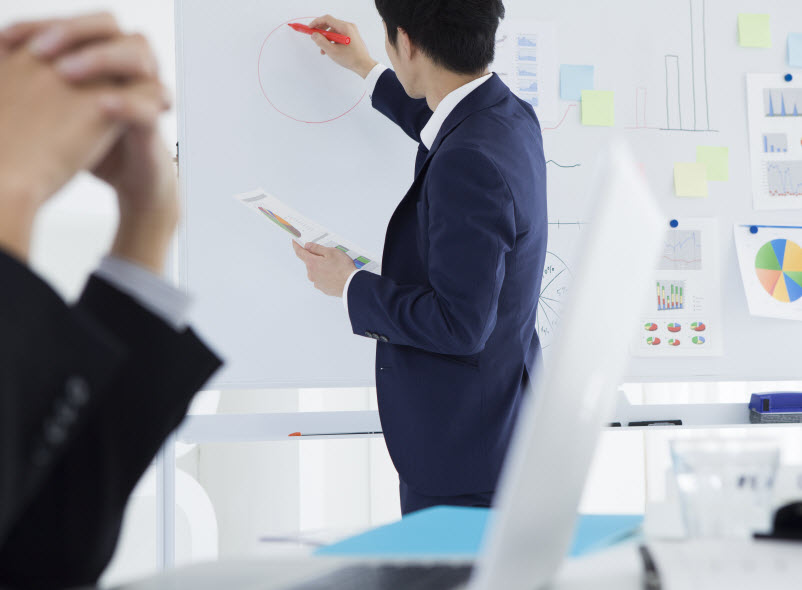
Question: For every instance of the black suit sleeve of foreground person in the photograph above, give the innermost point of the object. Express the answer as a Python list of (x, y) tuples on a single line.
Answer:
[(88, 393)]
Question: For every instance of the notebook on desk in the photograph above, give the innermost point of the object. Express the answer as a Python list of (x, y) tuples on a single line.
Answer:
[(456, 532)]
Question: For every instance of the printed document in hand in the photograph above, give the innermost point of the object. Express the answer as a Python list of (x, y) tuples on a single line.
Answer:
[(302, 229)]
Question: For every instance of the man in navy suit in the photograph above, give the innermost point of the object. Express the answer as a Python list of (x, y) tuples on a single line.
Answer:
[(454, 309)]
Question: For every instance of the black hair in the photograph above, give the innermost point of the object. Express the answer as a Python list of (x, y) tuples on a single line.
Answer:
[(459, 35)]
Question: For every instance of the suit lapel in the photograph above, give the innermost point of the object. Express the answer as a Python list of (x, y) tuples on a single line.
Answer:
[(487, 95)]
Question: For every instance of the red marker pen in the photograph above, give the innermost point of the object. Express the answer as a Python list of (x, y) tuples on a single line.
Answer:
[(335, 37)]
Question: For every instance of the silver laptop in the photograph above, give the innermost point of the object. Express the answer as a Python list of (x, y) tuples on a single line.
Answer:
[(556, 435)]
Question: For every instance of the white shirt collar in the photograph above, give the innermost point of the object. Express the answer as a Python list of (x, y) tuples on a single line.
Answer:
[(444, 109)]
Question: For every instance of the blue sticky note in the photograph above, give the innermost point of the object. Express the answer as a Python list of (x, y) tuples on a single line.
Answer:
[(795, 50), (575, 79), (447, 531)]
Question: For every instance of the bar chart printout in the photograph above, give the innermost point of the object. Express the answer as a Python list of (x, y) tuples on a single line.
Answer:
[(775, 134), (670, 296), (775, 143)]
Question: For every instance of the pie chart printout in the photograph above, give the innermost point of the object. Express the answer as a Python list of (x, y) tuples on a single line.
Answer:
[(778, 265), (301, 84)]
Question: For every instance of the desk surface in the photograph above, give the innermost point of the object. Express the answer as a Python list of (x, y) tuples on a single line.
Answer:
[(619, 568)]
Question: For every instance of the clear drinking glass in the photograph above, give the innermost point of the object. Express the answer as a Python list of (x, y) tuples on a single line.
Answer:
[(725, 485)]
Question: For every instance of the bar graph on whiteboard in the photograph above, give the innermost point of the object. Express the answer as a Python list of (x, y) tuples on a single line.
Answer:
[(689, 88), (686, 100)]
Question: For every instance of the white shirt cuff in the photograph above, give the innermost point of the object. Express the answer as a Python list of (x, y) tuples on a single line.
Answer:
[(149, 290), (345, 293), (373, 78)]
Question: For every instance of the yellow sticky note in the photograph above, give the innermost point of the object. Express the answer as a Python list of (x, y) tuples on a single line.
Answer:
[(754, 30), (717, 160), (690, 179), (598, 108)]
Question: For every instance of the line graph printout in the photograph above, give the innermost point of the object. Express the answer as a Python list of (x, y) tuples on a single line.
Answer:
[(775, 140), (683, 318), (682, 250), (302, 229), (526, 60)]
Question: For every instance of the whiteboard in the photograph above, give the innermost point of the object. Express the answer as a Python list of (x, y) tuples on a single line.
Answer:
[(252, 113)]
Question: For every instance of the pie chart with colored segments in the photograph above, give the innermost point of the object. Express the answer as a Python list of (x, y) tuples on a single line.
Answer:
[(779, 268)]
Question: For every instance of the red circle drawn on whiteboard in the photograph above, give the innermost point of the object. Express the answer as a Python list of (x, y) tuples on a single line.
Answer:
[(262, 85)]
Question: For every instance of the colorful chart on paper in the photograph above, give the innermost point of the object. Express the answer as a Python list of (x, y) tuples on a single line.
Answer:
[(283, 224), (779, 268)]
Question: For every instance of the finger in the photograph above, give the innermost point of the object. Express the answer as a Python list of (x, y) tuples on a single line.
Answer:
[(126, 57), (325, 45), (66, 34), (305, 256), (138, 105), (329, 22), (317, 249), (12, 35)]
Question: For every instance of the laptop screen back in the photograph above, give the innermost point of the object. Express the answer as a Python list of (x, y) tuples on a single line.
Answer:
[(560, 422)]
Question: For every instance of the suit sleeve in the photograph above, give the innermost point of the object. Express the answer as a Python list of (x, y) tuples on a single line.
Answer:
[(390, 99), (471, 229), (55, 361), (90, 484)]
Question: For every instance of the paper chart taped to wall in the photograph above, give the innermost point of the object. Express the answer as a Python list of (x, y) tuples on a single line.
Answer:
[(775, 140), (526, 61), (770, 259), (684, 316)]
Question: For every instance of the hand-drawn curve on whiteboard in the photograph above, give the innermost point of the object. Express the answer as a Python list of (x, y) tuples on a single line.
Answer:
[(302, 85)]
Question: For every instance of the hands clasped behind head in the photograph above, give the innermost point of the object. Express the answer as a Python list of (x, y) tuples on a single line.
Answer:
[(80, 94)]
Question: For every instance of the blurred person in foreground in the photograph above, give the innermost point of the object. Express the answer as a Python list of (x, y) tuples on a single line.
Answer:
[(88, 391)]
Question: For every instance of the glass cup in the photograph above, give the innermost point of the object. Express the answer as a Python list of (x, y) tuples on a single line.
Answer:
[(725, 485)]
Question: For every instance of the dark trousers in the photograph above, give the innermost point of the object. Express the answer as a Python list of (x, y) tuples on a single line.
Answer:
[(412, 501)]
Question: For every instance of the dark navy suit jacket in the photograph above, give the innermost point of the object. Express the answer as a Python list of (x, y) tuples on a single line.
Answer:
[(454, 309)]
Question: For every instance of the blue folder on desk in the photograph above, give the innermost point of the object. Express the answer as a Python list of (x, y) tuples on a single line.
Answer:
[(447, 531)]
